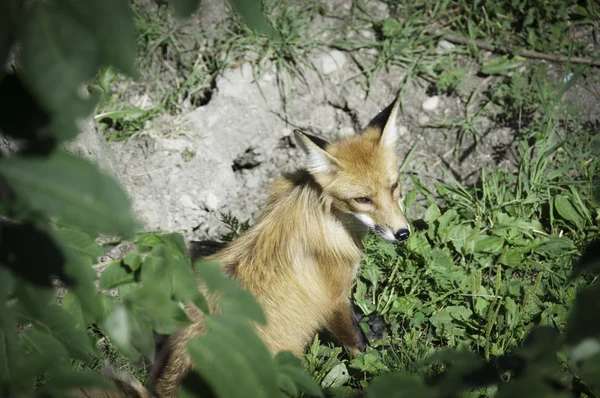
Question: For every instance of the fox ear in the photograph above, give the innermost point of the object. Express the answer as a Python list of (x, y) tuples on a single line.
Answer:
[(386, 125), (319, 160)]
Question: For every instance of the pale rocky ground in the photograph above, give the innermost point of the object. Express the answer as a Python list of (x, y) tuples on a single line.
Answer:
[(243, 139)]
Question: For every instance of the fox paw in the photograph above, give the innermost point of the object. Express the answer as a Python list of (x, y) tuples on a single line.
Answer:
[(377, 327), (371, 327)]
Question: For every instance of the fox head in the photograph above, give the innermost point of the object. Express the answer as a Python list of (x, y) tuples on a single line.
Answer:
[(359, 174)]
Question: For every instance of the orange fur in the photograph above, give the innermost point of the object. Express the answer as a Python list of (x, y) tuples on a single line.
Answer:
[(301, 257)]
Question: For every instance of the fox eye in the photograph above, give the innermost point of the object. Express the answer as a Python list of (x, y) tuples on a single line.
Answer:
[(394, 186), (363, 201)]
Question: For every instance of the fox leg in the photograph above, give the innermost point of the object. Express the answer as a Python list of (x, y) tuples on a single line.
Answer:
[(344, 325)]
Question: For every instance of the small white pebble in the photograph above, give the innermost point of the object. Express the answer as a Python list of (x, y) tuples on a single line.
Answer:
[(443, 46), (423, 119), (430, 104), (212, 202), (568, 77)]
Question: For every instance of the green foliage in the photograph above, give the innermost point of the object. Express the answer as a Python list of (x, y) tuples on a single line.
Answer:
[(537, 24), (490, 271), (480, 301), (234, 226), (54, 321), (287, 46)]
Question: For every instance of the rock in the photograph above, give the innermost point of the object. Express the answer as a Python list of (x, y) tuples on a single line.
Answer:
[(402, 130), (8, 145), (367, 34), (346, 131), (323, 119), (431, 103), (444, 46), (211, 201), (173, 144), (332, 62), (423, 119), (91, 145)]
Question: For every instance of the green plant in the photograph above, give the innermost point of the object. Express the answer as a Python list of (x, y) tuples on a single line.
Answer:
[(286, 50), (54, 321), (540, 25)]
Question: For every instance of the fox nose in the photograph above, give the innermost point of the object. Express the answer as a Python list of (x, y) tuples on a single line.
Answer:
[(402, 234)]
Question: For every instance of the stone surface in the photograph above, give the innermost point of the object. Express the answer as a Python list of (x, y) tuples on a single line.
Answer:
[(431, 104), (332, 62)]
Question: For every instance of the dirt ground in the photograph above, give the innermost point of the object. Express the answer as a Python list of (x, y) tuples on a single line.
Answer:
[(187, 169)]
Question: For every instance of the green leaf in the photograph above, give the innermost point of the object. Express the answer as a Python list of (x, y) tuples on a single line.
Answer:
[(42, 351), (234, 299), (62, 379), (583, 321), (391, 28), (387, 248), (117, 326), (72, 189), (250, 11), (406, 305), (566, 210), (410, 198), (443, 319), (433, 213), (183, 280), (53, 63), (371, 362), (132, 260), (175, 242), (417, 319), (233, 360), (501, 65), (590, 373), (136, 333), (511, 257), (398, 385), (81, 244), (154, 299), (291, 367), (34, 306), (458, 235), (531, 386), (111, 22), (443, 224), (489, 244), (80, 251), (10, 351), (185, 8), (503, 220), (146, 242), (71, 304), (337, 376), (465, 371), (114, 275)]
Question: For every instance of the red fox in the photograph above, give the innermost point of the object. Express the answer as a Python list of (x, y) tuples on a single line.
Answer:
[(300, 258)]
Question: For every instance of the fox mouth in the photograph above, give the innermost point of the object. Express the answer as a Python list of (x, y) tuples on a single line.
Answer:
[(385, 234)]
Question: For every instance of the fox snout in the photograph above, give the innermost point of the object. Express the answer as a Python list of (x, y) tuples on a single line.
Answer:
[(402, 234), (392, 235)]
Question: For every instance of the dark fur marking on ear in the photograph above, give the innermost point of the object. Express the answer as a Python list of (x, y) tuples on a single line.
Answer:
[(321, 143), (382, 117)]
